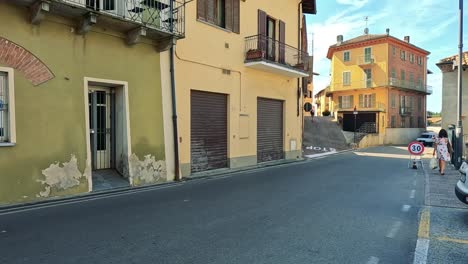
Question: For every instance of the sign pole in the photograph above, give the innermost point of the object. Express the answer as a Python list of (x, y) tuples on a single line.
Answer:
[(355, 116), (459, 129)]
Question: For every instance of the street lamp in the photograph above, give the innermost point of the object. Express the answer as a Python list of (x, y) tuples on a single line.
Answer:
[(459, 129)]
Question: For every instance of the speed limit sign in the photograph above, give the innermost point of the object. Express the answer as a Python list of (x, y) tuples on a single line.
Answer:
[(416, 148)]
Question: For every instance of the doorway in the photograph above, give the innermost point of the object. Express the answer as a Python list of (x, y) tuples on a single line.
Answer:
[(108, 135)]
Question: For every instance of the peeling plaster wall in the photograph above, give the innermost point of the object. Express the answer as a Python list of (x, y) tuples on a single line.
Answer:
[(50, 117), (146, 171), (59, 178)]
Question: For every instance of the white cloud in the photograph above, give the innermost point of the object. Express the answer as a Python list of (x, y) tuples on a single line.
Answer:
[(357, 3)]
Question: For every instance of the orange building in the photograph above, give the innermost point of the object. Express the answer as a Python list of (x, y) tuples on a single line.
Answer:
[(384, 79)]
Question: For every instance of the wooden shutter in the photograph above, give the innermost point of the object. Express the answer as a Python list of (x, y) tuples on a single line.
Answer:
[(236, 16), (282, 40), (262, 31), (211, 13), (201, 9), (340, 101), (228, 17)]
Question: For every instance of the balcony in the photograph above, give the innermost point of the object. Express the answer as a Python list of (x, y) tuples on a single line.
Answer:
[(266, 54), (410, 85), (370, 83), (372, 106), (159, 20), (406, 111), (366, 61), (362, 107)]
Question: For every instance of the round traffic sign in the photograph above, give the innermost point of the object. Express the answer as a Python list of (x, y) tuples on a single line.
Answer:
[(416, 148), (307, 107)]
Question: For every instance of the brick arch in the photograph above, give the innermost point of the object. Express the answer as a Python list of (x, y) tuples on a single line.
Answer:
[(20, 59)]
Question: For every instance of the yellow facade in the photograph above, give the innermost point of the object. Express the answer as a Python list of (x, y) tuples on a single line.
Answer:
[(383, 79), (355, 66), (211, 59)]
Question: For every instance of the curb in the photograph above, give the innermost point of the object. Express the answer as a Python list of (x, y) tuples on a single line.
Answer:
[(10, 209)]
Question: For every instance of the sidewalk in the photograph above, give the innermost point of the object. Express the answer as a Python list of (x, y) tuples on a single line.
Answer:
[(440, 189)]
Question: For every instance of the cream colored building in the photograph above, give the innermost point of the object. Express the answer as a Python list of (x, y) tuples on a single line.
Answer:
[(238, 76)]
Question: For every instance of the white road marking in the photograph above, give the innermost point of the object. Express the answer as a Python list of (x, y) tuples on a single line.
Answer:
[(422, 249), (373, 260), (405, 208), (319, 155), (395, 228), (412, 194)]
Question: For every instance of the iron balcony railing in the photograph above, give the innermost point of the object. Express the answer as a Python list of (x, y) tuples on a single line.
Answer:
[(371, 106), (371, 83), (163, 16), (366, 60), (406, 110), (263, 48), (166, 15)]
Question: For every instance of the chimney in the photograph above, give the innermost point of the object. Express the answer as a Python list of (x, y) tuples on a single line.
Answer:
[(366, 31), (388, 31), (406, 38), (339, 39)]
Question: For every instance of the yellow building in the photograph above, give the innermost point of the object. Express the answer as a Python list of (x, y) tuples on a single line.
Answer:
[(323, 101), (239, 83), (383, 79)]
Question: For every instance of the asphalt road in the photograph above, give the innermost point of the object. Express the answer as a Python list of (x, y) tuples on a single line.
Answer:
[(344, 208)]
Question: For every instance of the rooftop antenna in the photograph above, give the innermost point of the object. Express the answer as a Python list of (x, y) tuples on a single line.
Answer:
[(366, 30)]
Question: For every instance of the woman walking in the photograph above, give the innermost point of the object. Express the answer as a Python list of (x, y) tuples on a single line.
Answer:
[(443, 149)]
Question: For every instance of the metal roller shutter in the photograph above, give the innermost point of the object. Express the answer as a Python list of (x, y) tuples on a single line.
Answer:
[(269, 130), (208, 144)]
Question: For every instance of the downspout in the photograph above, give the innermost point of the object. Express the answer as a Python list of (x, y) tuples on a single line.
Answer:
[(299, 92), (174, 106)]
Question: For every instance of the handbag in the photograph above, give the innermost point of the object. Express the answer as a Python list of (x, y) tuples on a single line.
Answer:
[(449, 147), (433, 163)]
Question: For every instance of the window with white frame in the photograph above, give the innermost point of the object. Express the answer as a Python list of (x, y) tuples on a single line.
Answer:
[(346, 101), (403, 55), (346, 56), (420, 59), (411, 58), (347, 78), (393, 50), (7, 133), (367, 100)]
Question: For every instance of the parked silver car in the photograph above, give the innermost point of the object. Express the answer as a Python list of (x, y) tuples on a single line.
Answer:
[(427, 138), (461, 189)]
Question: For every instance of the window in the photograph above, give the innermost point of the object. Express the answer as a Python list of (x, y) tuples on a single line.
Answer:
[(346, 56), (222, 13), (393, 122), (420, 60), (7, 110), (403, 77), (393, 100), (421, 123), (393, 73), (403, 122), (411, 80), (411, 58), (420, 85), (367, 100), (411, 121), (393, 50), (346, 101), (346, 78), (368, 77), (419, 103), (368, 55), (403, 55)]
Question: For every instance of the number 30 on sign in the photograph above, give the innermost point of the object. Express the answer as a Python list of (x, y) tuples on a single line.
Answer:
[(416, 148)]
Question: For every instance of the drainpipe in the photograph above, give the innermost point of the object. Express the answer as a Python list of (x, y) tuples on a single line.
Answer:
[(299, 92), (173, 97)]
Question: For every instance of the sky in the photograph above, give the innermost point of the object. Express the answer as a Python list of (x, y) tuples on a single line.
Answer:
[(431, 25)]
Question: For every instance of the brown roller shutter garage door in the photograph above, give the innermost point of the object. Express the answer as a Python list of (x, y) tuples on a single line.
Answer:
[(208, 144), (269, 130)]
